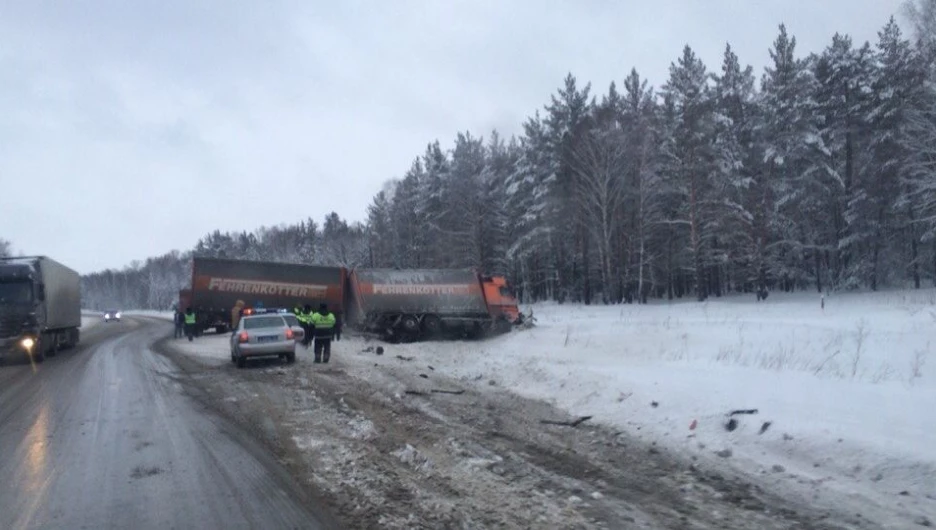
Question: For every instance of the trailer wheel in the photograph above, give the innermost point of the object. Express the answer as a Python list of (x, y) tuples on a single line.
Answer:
[(38, 354), (409, 323), (432, 325), (54, 341)]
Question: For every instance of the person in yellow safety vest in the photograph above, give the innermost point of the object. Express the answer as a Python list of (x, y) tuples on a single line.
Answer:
[(323, 323), (305, 320), (190, 324)]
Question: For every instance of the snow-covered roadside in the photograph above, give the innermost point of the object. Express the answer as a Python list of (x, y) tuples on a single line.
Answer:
[(211, 349), (846, 390), (89, 320), (164, 315)]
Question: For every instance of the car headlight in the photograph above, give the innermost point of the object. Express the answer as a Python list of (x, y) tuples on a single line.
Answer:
[(28, 343), (117, 315), (106, 315)]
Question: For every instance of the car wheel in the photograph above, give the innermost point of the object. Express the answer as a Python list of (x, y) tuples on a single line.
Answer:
[(290, 357), (241, 362)]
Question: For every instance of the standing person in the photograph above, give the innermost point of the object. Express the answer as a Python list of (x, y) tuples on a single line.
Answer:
[(306, 321), (190, 324), (323, 323), (236, 312), (179, 322)]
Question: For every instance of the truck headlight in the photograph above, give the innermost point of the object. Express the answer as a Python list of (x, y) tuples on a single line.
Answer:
[(28, 343)]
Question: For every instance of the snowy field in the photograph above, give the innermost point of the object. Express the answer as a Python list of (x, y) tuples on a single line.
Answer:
[(844, 395), (848, 390)]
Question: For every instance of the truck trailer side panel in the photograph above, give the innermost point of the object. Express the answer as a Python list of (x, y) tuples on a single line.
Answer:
[(217, 284), (448, 294), (62, 288)]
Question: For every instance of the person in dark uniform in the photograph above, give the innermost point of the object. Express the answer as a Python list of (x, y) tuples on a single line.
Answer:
[(179, 322), (323, 326)]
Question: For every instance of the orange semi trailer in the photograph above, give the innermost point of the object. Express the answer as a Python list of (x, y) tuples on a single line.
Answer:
[(428, 302)]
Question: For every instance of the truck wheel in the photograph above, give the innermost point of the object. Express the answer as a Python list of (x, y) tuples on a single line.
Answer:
[(53, 341), (432, 325), (409, 323)]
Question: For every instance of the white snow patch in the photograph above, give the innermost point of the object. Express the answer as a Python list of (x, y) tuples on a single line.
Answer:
[(361, 428), (410, 455), (306, 442)]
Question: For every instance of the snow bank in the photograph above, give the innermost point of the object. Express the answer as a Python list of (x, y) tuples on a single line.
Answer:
[(214, 348), (165, 315), (848, 389), (88, 321)]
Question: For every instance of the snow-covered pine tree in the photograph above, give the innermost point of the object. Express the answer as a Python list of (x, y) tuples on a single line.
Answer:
[(642, 210), (565, 121), (693, 157), (841, 196), (737, 168), (794, 156)]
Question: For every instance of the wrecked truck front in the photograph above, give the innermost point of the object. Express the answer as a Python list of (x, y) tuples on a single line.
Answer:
[(501, 300)]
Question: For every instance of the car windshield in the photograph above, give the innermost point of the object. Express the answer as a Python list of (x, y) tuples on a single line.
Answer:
[(263, 322), (291, 320), (15, 292)]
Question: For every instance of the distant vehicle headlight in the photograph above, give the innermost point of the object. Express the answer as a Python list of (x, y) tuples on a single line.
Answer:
[(117, 315), (28, 343), (106, 315)]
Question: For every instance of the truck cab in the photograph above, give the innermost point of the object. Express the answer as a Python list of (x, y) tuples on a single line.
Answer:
[(40, 306), (19, 293), (500, 299)]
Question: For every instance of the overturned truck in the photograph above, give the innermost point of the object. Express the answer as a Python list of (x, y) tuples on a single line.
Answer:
[(397, 304), (429, 302)]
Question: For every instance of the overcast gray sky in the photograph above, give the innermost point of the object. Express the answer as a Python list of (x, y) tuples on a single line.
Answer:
[(131, 128)]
